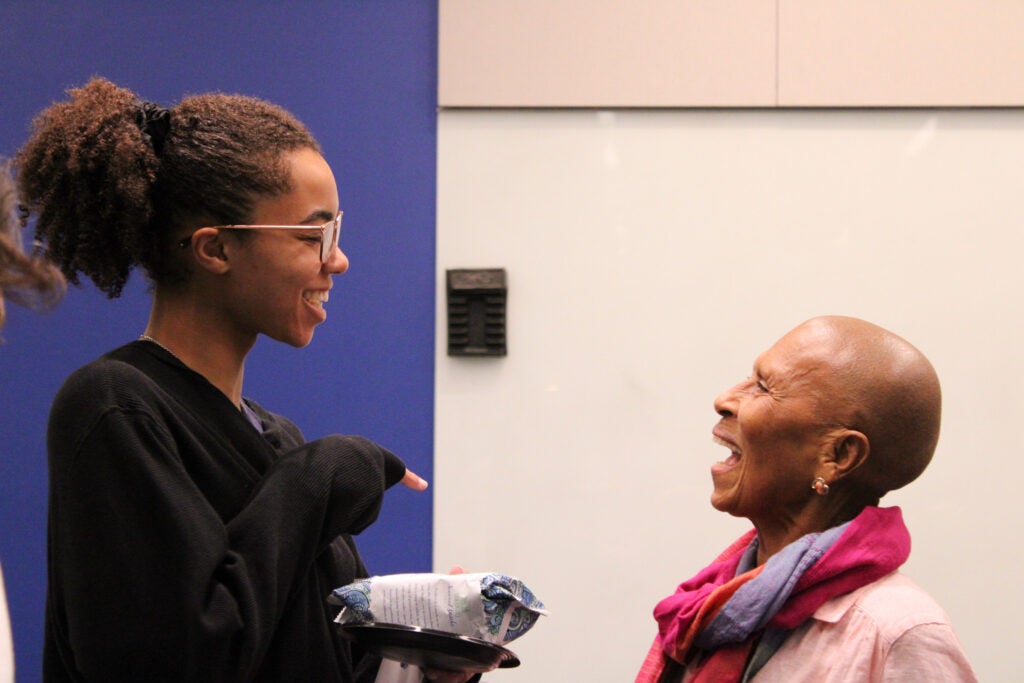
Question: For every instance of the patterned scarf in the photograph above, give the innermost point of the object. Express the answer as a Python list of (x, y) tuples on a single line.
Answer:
[(714, 618)]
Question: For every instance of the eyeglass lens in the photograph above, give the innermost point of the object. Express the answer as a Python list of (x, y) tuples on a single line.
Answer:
[(330, 240)]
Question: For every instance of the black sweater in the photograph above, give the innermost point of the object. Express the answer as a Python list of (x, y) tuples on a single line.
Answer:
[(183, 545)]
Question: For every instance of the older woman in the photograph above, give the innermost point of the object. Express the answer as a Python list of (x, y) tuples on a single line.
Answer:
[(835, 415), (33, 281), (27, 279)]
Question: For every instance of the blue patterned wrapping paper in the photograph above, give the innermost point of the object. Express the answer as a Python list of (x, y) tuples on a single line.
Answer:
[(494, 607)]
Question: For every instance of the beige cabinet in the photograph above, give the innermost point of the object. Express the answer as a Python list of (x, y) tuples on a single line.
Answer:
[(606, 53), (730, 53), (901, 53)]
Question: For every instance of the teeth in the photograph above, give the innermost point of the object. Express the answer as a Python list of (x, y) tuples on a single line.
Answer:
[(319, 297), (722, 442)]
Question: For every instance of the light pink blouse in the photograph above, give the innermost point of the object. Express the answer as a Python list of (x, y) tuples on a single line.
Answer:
[(6, 646), (889, 630)]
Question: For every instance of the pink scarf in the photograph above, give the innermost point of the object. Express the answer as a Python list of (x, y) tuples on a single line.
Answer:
[(871, 546)]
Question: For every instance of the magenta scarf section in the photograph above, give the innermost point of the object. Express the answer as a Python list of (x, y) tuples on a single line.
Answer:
[(786, 590)]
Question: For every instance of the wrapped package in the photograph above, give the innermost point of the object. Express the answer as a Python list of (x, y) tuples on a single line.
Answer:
[(492, 607)]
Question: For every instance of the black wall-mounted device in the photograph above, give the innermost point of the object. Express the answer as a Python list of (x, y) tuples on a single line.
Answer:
[(476, 311)]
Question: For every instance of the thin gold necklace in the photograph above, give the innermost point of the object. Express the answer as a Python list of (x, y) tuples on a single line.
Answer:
[(146, 337)]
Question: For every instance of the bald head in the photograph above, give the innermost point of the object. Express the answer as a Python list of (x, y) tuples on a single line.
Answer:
[(882, 386)]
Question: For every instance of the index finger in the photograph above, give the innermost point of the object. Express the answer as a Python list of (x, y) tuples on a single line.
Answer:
[(414, 481)]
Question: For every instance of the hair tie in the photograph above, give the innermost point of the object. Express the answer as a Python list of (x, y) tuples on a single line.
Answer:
[(154, 121)]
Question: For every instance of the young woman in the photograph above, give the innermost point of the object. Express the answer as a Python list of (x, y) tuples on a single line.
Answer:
[(192, 534)]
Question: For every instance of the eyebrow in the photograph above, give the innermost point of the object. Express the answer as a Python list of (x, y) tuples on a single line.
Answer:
[(321, 215)]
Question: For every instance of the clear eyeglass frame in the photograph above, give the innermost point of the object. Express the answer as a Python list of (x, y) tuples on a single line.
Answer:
[(330, 233)]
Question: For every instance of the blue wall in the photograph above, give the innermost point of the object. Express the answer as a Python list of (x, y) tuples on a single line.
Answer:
[(362, 76)]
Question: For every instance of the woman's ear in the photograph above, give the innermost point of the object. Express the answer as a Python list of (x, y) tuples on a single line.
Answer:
[(850, 450), (207, 247)]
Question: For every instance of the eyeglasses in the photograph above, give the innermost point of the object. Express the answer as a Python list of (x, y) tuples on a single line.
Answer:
[(329, 233)]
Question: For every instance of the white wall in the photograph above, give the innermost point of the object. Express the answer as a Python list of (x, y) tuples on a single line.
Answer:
[(651, 256)]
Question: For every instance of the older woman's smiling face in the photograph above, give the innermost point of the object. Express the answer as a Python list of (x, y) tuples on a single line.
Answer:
[(775, 426)]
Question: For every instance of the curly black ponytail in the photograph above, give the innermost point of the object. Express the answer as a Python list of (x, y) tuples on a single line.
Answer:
[(114, 182)]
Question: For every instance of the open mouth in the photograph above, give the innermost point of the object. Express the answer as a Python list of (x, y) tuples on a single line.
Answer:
[(734, 453), (319, 297)]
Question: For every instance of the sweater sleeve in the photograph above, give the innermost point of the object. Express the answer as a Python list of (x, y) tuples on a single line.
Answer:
[(154, 584)]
